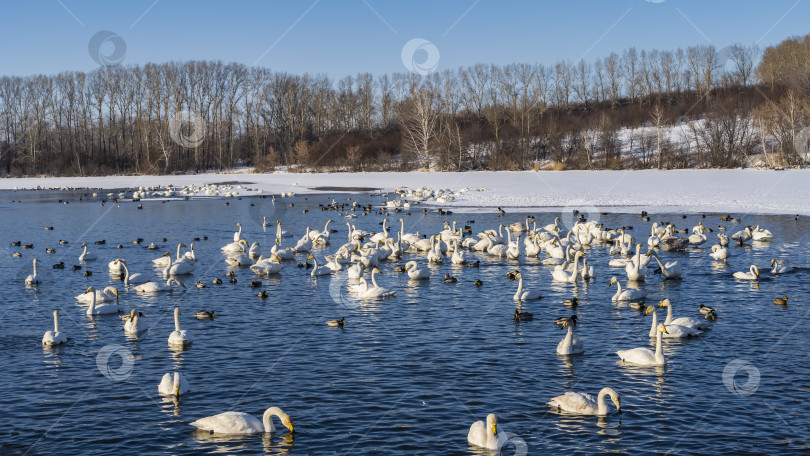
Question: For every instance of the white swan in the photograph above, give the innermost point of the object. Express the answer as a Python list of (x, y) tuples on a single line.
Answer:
[(752, 274), (55, 337), (524, 295), (487, 435), (434, 255), (780, 266), (376, 291), (698, 237), (115, 267), (359, 287), (134, 279), (318, 270), (164, 260), (176, 268), (674, 331), (569, 345), (85, 256), (179, 338), (458, 255), (689, 322), (629, 294), (742, 236), (108, 294), (356, 271), (719, 252), (255, 250), (635, 269), (415, 273), (103, 309), (283, 253), (304, 244), (644, 356), (584, 404), (243, 423), (173, 385), (560, 274), (267, 266), (670, 269), (133, 324), (240, 246), (760, 234), (33, 279), (237, 236), (156, 287)]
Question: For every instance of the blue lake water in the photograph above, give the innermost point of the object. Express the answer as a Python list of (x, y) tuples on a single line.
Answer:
[(406, 375)]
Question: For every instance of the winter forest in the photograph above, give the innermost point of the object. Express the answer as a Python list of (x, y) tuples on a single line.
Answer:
[(614, 112)]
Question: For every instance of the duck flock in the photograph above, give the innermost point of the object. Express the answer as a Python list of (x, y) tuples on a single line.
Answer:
[(356, 254)]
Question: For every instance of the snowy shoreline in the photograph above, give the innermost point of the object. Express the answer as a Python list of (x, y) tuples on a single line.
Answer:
[(729, 190)]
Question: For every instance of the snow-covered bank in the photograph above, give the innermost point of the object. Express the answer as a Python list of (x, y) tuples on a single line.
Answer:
[(735, 191)]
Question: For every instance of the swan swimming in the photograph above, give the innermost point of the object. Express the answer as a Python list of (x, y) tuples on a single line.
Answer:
[(103, 309), (133, 324), (179, 338), (643, 356), (173, 385), (524, 295), (752, 274), (487, 435), (33, 279), (569, 345), (155, 287), (584, 404), (628, 294), (55, 337), (108, 294), (243, 423)]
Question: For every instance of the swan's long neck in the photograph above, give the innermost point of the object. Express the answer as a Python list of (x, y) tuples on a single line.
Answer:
[(659, 349), (619, 285), (35, 268), (569, 337), (669, 315), (55, 321), (654, 328), (177, 320), (520, 285), (126, 274), (600, 402), (373, 279), (92, 307), (176, 385), (576, 264), (267, 418), (85, 250)]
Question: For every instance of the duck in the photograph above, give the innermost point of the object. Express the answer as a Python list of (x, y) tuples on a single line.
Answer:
[(263, 294), (199, 284), (478, 282), (781, 301), (173, 385), (752, 274), (336, 323), (523, 316), (487, 435), (217, 281), (573, 302), (643, 356), (569, 345), (232, 277), (704, 310), (584, 404), (638, 305), (179, 338), (55, 337), (449, 279), (203, 314), (243, 423)]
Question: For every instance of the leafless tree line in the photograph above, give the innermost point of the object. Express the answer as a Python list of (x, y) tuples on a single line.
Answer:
[(118, 119)]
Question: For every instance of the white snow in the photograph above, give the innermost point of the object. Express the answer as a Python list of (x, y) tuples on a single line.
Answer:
[(737, 191)]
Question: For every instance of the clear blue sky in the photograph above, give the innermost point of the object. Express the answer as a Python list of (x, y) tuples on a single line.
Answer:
[(340, 37)]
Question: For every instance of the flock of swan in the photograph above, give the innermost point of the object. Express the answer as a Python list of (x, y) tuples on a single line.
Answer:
[(361, 253)]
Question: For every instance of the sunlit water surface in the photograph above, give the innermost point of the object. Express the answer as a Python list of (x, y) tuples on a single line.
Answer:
[(407, 375)]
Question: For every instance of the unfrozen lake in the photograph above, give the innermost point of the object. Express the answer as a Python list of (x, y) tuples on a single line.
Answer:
[(406, 375)]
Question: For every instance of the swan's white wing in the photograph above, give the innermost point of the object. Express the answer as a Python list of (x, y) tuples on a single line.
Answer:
[(230, 423), (690, 322), (478, 434), (676, 331), (641, 355), (575, 403), (166, 385)]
